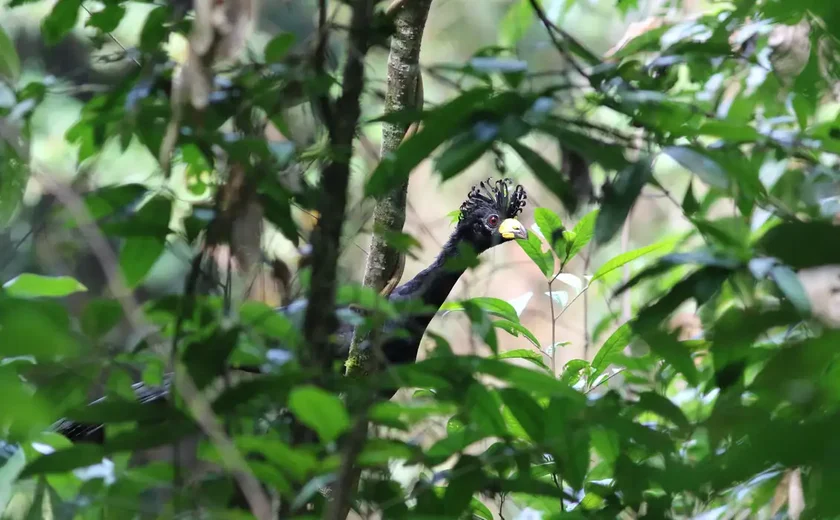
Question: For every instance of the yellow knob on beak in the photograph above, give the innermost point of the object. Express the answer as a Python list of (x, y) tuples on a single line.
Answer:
[(512, 228)]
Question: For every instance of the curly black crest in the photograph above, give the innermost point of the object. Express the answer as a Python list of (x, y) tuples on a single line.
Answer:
[(499, 195)]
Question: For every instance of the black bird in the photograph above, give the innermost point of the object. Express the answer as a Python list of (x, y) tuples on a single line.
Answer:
[(487, 219)]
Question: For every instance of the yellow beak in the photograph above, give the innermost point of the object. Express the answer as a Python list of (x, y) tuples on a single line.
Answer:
[(512, 228)]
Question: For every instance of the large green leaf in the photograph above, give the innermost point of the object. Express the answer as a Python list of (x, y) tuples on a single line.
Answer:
[(802, 244), (551, 227), (515, 329), (619, 199), (550, 176), (439, 125), (611, 348), (77, 456), (526, 411), (696, 161), (583, 232), (320, 410), (60, 21), (791, 287), (493, 306), (533, 248), (516, 22)]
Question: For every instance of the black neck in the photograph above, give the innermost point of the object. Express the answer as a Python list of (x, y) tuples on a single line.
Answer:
[(433, 284)]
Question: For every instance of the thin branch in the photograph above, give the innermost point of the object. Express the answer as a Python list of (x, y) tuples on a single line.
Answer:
[(320, 321), (348, 473), (405, 90), (551, 28)]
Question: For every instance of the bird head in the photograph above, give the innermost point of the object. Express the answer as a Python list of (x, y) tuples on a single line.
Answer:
[(488, 216)]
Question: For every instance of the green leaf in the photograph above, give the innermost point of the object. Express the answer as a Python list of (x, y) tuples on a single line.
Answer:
[(548, 175), (791, 287), (155, 28), (108, 18), (526, 411), (572, 371), (694, 160), (83, 135), (9, 59), (689, 203), (467, 478), (515, 329), (583, 231), (462, 151), (278, 47), (62, 461), (266, 320), (515, 23), (208, 358), (24, 413), (629, 256), (137, 257), (37, 286), (663, 407), (522, 353), (479, 510), (278, 210), (36, 508), (299, 464), (12, 460), (619, 198), (610, 349), (551, 226), (108, 200), (100, 316), (483, 409), (439, 125), (146, 233), (319, 410), (14, 176), (533, 248), (803, 244), (39, 328), (493, 306), (61, 20)]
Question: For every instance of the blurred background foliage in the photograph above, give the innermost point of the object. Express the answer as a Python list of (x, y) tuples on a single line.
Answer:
[(665, 350)]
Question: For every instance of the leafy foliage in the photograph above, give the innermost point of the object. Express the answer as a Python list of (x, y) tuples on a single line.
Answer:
[(655, 422)]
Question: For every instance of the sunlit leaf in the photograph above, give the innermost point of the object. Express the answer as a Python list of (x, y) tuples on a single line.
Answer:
[(543, 259), (493, 306), (29, 285), (584, 230), (611, 348), (626, 258)]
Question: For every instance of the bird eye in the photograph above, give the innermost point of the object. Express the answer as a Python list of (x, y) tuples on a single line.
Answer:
[(493, 220)]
